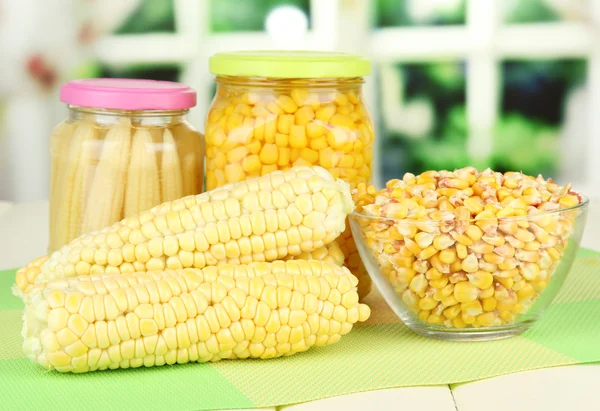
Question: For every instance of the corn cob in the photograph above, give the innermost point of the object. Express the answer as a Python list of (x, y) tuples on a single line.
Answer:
[(59, 141), (333, 253), (330, 253), (260, 310), (105, 201), (143, 189), (77, 174), (171, 183), (262, 219)]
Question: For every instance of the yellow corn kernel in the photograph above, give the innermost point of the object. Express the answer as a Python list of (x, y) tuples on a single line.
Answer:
[(251, 163), (470, 264), (287, 104), (269, 154), (461, 251), (315, 130), (452, 312), (468, 319), (433, 274), (507, 316), (428, 252), (318, 143), (488, 292), (458, 322), (325, 112), (472, 308), (447, 256), (526, 292), (465, 292), (427, 303), (418, 284), (309, 155), (234, 173), (413, 247), (405, 275), (298, 136), (474, 233), (443, 241), (489, 304), (304, 115), (439, 283), (283, 158), (461, 238), (481, 279)]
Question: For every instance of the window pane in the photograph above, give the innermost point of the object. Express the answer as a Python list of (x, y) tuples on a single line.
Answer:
[(390, 13), (536, 11), (543, 105), (422, 118), (151, 16), (248, 15), (142, 71)]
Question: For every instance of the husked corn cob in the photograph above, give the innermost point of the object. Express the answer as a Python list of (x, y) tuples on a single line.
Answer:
[(171, 178), (330, 253), (75, 177), (262, 219), (467, 248), (333, 253), (260, 310), (143, 187), (105, 200)]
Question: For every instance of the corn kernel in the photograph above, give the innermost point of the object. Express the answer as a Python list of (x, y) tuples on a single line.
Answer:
[(465, 292), (447, 256), (472, 308), (481, 279)]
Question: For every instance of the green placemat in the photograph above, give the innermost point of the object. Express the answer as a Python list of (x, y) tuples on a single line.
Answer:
[(381, 353)]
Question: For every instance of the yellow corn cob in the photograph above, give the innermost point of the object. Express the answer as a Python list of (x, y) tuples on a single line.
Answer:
[(330, 253), (59, 143), (76, 177), (105, 201), (143, 188), (171, 183), (261, 219), (260, 310)]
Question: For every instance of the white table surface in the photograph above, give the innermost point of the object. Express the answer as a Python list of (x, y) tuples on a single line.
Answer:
[(24, 236)]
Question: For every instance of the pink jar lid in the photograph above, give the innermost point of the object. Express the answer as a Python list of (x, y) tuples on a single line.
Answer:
[(128, 94)]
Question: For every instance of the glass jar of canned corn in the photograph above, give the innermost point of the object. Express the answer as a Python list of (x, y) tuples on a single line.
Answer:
[(125, 147), (276, 110)]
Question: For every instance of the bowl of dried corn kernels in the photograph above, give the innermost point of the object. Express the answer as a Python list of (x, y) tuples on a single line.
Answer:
[(467, 254)]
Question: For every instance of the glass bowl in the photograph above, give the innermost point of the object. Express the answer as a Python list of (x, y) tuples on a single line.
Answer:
[(456, 286)]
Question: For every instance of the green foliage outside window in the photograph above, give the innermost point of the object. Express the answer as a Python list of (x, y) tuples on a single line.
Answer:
[(247, 15)]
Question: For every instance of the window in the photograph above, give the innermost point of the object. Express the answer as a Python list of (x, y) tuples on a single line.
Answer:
[(470, 73)]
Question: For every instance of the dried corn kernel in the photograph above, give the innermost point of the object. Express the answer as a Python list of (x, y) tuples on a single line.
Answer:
[(463, 236)]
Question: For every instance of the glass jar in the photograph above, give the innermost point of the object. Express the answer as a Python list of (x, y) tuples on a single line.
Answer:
[(275, 110), (125, 147)]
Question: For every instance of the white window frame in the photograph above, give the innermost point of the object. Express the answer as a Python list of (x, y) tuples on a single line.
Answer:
[(345, 25)]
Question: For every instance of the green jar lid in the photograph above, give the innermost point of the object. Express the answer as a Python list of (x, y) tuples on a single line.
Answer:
[(289, 64)]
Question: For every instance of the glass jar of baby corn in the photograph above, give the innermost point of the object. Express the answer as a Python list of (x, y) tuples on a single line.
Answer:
[(274, 110), (125, 147)]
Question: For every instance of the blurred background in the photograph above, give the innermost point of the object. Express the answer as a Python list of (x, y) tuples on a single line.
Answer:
[(509, 84)]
